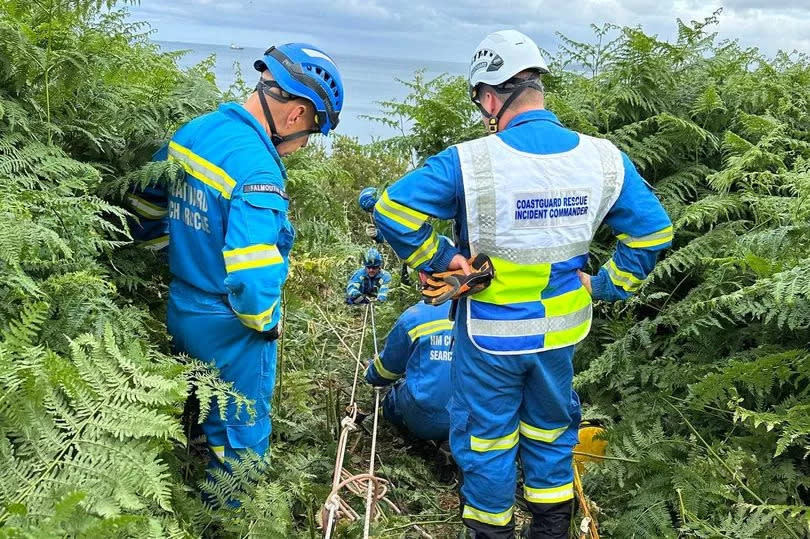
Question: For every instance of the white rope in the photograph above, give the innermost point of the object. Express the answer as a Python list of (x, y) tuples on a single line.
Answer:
[(370, 494), (348, 424)]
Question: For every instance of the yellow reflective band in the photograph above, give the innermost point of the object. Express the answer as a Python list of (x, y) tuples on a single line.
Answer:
[(144, 208), (205, 171), (424, 252), (219, 452), (567, 303), (540, 435), (515, 283), (549, 495), (156, 244), (567, 337), (494, 444), (430, 327), (661, 237), (623, 279), (382, 371), (410, 219), (257, 321), (255, 256), (496, 519)]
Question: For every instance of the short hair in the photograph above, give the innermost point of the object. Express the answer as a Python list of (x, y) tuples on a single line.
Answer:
[(526, 97)]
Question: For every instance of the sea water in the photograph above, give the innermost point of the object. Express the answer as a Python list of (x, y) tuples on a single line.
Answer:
[(367, 81)]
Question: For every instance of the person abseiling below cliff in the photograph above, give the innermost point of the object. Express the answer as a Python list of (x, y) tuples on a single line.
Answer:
[(418, 349), (370, 282), (231, 238), (367, 199), (527, 201)]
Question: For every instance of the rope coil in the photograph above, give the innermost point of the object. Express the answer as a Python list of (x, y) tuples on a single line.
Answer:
[(376, 488)]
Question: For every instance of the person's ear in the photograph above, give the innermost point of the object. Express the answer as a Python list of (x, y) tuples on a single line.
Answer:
[(491, 104), (296, 115)]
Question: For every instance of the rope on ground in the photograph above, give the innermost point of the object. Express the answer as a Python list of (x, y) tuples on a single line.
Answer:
[(375, 487), (370, 505)]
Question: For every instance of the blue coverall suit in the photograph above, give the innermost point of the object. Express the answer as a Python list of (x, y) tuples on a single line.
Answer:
[(361, 284), (228, 255), (502, 403), (418, 348), (150, 206)]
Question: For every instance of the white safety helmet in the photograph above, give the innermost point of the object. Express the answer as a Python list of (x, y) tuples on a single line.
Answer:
[(498, 58)]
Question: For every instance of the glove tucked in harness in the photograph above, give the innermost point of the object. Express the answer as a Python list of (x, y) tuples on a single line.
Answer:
[(440, 287)]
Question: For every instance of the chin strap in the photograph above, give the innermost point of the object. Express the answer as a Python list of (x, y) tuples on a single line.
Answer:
[(517, 89), (281, 97)]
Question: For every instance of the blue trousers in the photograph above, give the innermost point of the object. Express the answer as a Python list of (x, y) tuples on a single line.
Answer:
[(401, 409), (502, 406), (205, 328)]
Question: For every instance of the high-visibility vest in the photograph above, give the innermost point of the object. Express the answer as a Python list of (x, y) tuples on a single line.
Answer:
[(534, 215)]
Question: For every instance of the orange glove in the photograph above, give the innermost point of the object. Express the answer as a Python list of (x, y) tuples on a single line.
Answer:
[(440, 287)]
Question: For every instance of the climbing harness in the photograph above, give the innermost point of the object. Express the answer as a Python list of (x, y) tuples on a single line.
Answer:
[(367, 485), (440, 287)]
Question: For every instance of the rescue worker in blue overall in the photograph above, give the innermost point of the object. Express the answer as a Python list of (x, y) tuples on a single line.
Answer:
[(367, 199), (418, 348), (231, 237), (530, 196), (370, 282)]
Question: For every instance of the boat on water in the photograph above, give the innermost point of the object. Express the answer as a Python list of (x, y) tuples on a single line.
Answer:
[(236, 47)]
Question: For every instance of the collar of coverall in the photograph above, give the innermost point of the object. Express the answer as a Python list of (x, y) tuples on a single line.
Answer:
[(533, 115), (237, 112)]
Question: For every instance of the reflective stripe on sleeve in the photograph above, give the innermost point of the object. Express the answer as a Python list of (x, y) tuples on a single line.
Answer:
[(495, 519), (257, 321), (661, 237), (540, 435), (255, 256), (549, 495), (382, 371), (205, 171), (144, 208), (156, 244), (494, 444), (219, 452), (622, 279), (405, 216), (430, 327), (424, 252)]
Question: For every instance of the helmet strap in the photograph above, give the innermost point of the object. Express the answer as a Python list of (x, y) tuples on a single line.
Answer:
[(282, 97), (494, 119)]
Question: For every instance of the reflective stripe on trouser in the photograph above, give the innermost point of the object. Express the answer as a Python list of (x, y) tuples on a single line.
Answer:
[(205, 328), (400, 408), (502, 406)]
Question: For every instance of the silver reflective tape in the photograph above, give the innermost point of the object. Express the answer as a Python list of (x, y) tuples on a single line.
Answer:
[(531, 326), (416, 222), (218, 182), (145, 208), (627, 283), (611, 187), (423, 250), (264, 254), (665, 234)]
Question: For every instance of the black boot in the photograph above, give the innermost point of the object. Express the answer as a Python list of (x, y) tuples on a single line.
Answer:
[(550, 520), (479, 530)]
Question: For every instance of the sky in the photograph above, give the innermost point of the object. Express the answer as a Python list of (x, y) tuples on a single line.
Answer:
[(450, 30)]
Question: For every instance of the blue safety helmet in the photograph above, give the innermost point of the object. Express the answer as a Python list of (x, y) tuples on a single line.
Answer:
[(306, 71), (368, 197), (372, 258)]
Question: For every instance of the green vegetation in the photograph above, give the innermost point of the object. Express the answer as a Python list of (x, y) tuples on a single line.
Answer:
[(702, 378)]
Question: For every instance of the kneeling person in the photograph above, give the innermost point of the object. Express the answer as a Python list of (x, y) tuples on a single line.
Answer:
[(418, 348), (370, 281)]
